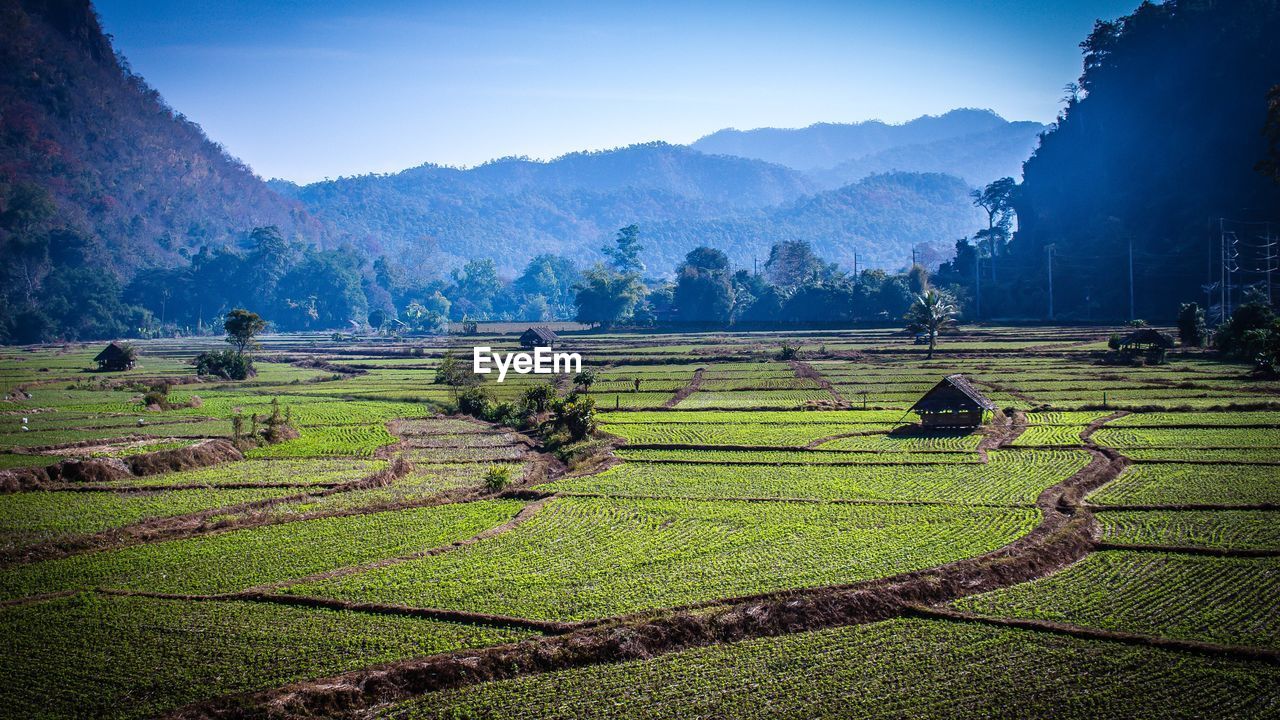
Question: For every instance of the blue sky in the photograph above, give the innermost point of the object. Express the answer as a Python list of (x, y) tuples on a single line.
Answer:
[(307, 89)]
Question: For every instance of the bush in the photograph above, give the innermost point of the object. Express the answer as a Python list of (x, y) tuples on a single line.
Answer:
[(576, 415), (474, 402), (497, 478), (1114, 341), (1191, 327), (539, 397), (227, 364), (156, 398), (788, 352)]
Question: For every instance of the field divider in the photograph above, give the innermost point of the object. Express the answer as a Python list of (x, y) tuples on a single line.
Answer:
[(1192, 550), (1237, 652), (805, 370), (695, 383), (1064, 535)]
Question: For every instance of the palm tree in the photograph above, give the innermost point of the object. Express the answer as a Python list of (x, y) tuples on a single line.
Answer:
[(932, 312)]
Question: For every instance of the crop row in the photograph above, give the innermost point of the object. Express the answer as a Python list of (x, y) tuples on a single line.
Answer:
[(1124, 438), (582, 558), (1012, 477), (1232, 529), (755, 399), (1179, 484), (1228, 600), (239, 559), (929, 442), (733, 434), (131, 657), (321, 441), (894, 669), (789, 457)]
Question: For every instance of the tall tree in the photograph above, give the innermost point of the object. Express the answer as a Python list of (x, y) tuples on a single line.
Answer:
[(607, 298), (996, 200), (242, 328), (704, 291), (793, 263), (625, 253)]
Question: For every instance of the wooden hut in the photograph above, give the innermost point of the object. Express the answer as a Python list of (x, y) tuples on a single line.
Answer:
[(952, 403), (114, 358), (538, 337), (1146, 339)]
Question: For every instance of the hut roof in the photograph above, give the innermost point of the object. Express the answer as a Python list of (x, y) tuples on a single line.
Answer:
[(953, 392), (111, 352), (542, 333), (1147, 336)]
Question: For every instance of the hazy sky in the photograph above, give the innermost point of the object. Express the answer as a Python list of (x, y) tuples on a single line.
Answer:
[(307, 89)]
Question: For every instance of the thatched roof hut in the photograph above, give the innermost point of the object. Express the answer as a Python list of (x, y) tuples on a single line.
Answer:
[(1146, 339), (115, 357), (538, 337), (953, 402)]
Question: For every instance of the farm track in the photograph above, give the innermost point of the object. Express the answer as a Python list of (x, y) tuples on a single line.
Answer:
[(1065, 534), (543, 468), (805, 370), (694, 384)]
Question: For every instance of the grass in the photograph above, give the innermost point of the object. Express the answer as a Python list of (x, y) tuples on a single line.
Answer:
[(581, 558), (896, 669), (236, 560), (29, 518), (1012, 477), (1226, 600), (1177, 484), (1230, 529), (132, 657)]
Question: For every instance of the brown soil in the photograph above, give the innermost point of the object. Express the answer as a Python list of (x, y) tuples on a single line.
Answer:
[(805, 370), (694, 383), (1065, 534), (1192, 550)]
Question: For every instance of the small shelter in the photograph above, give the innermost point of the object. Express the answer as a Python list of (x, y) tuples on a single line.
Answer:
[(114, 358), (538, 337), (1146, 339), (953, 403)]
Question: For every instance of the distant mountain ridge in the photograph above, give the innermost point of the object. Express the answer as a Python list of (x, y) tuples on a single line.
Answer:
[(826, 145)]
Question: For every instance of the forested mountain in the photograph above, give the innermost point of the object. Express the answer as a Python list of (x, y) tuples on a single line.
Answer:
[(977, 158), (139, 179), (511, 210), (825, 145), (1162, 140)]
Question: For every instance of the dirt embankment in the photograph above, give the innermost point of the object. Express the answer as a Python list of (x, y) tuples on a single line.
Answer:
[(99, 470), (1066, 534), (694, 384)]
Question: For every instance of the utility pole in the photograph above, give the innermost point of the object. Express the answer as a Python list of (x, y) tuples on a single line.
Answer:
[(977, 282), (913, 257), (1049, 252), (1132, 315), (855, 265)]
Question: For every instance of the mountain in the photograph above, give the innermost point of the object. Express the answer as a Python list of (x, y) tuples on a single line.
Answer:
[(1162, 141), (826, 145), (117, 163), (511, 210), (978, 158), (881, 219)]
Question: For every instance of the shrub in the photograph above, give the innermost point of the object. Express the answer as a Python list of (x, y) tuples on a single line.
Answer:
[(473, 401), (497, 478), (1191, 327), (157, 399), (539, 397), (226, 364), (576, 415), (787, 351)]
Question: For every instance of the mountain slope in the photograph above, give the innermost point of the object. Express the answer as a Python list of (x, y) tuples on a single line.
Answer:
[(117, 161), (978, 158), (825, 145), (513, 209)]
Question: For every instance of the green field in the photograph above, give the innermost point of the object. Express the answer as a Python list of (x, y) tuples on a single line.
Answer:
[(759, 482)]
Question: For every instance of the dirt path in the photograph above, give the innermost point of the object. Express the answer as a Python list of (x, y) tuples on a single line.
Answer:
[(1065, 534), (695, 383), (805, 370)]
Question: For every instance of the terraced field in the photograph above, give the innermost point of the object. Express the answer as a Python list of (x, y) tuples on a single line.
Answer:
[(743, 537)]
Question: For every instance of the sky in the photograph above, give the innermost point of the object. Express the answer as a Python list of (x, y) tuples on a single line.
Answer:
[(312, 89)]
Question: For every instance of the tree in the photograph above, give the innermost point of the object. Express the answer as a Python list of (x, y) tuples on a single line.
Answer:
[(1270, 165), (585, 379), (454, 372), (551, 277), (931, 313), (1191, 327), (704, 292), (625, 254), (242, 327), (606, 298), (793, 263), (475, 285), (996, 199)]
